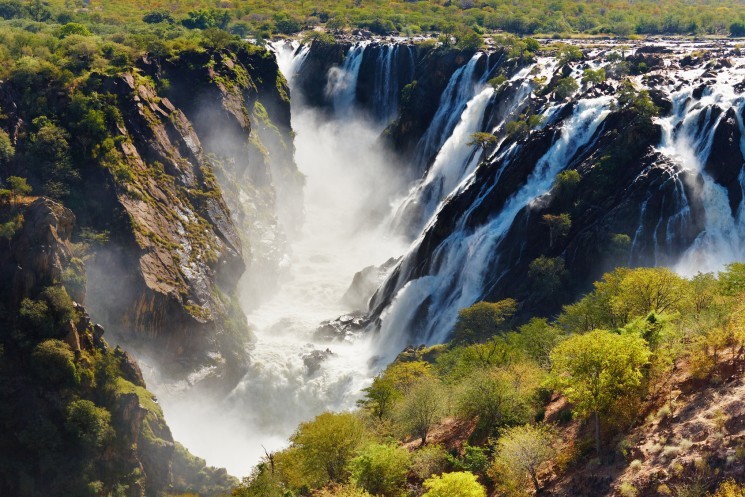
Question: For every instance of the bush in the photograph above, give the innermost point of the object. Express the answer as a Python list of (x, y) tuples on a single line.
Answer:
[(522, 452), (325, 446), (54, 362), (429, 460), (88, 423), (381, 469), (566, 87), (458, 484)]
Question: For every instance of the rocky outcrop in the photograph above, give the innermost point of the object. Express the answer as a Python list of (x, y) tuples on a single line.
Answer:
[(239, 105), (55, 363), (178, 234), (40, 250)]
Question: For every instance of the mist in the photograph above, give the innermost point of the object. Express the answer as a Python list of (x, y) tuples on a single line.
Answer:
[(293, 375)]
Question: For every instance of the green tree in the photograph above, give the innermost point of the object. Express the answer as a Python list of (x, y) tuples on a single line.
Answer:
[(483, 320), (380, 397), (500, 396), (89, 423), (566, 87), (546, 276), (594, 369), (483, 141), (73, 28), (18, 187), (325, 446), (421, 408), (456, 484), (7, 151), (558, 227), (522, 453), (381, 469), (593, 76)]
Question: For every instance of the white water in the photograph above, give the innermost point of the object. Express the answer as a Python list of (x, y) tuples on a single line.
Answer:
[(684, 141), (459, 91), (280, 391)]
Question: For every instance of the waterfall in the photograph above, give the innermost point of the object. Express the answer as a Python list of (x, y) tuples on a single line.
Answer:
[(342, 81), (458, 274), (455, 160), (687, 142), (293, 373), (460, 89)]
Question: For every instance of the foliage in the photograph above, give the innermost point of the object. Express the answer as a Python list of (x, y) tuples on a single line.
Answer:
[(522, 453), (456, 484), (89, 423), (499, 397), (558, 226), (429, 460), (593, 76), (482, 321), (380, 397), (381, 469), (482, 140), (421, 408), (729, 489), (594, 369), (7, 150), (54, 362), (326, 445), (566, 87), (639, 102)]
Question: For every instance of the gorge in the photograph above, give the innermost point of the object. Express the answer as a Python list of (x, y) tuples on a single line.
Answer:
[(254, 233), (384, 139)]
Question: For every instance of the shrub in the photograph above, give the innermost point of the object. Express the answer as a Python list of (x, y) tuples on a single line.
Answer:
[(429, 460), (381, 469), (54, 362), (458, 484), (626, 489), (566, 87), (522, 452), (421, 408), (88, 423), (325, 446)]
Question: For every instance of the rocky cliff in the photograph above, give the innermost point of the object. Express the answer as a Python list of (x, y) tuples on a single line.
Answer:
[(76, 415), (181, 170)]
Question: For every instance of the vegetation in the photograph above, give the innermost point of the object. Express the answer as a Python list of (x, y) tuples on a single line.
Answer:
[(604, 355)]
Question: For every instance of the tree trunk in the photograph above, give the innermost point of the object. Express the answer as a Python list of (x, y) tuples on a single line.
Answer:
[(535, 482), (597, 433)]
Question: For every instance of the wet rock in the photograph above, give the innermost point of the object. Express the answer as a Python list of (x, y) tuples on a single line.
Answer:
[(314, 359), (342, 328), (725, 161), (365, 283)]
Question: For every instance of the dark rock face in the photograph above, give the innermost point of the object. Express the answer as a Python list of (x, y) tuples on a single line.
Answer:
[(40, 251), (365, 283), (725, 161), (312, 76), (178, 235)]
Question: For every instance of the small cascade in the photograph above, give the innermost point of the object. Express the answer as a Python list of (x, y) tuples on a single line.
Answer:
[(688, 134), (290, 57), (453, 101), (342, 82), (456, 159), (393, 69), (458, 274)]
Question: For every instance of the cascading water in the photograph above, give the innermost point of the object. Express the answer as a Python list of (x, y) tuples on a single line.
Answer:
[(294, 375), (342, 81), (457, 277), (459, 91), (687, 138)]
